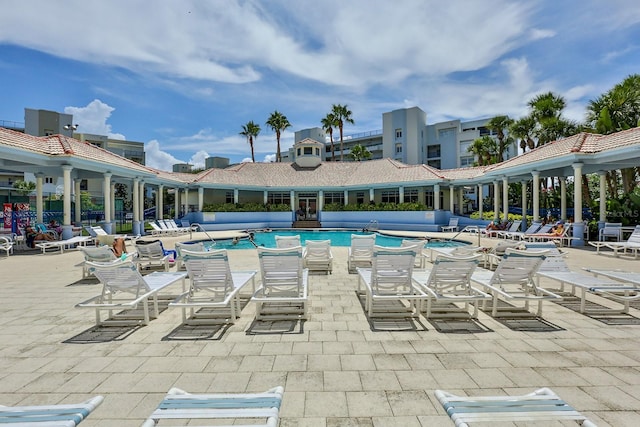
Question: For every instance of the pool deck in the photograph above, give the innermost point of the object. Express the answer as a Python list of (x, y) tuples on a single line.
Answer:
[(336, 370)]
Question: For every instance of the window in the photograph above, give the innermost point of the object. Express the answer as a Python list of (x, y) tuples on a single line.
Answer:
[(299, 152), (334, 197), (433, 151), (466, 161), (434, 163), (275, 198), (446, 133), (317, 151), (308, 151), (398, 133), (228, 197), (428, 198), (83, 185), (411, 195), (390, 196), (48, 180), (360, 198), (398, 148)]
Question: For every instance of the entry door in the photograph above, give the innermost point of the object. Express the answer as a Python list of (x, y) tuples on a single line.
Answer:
[(307, 205)]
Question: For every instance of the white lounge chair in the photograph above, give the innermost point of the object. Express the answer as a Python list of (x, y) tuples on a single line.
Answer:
[(99, 254), (453, 225), (214, 294), (317, 256), (61, 415), (63, 244), (152, 254), (420, 255), (171, 223), (190, 246), (449, 281), (543, 230), (6, 244), (513, 228), (251, 407), (283, 292), (632, 244), (541, 405), (360, 252), (519, 235), (513, 280), (555, 268), (156, 230), (283, 242), (390, 280), (124, 288)]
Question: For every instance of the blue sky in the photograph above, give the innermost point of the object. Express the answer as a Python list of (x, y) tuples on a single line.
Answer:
[(183, 76)]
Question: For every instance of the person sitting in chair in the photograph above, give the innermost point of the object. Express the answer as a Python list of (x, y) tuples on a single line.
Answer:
[(32, 235), (119, 247)]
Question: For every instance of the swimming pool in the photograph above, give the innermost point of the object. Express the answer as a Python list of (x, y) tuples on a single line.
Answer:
[(337, 237)]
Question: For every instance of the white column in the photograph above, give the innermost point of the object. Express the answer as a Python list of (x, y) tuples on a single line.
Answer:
[(39, 203), (113, 201), (523, 184), (106, 192), (496, 201), (577, 192), (480, 192), (186, 200), (141, 202), (236, 196), (578, 225), (372, 195), (77, 197), (563, 198), (461, 200), (265, 197), (401, 194), (320, 200), (160, 202), (200, 199), (176, 203), (67, 232), (436, 197), (603, 197), (536, 195), (292, 197), (135, 201), (452, 194), (505, 198)]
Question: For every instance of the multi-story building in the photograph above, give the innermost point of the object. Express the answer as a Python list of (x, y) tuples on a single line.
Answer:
[(406, 137)]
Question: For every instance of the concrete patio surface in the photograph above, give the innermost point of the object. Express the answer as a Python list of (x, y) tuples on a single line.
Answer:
[(336, 370)]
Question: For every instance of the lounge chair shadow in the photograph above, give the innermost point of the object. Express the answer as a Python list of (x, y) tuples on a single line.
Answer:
[(84, 282), (271, 327), (396, 324), (520, 319), (187, 332), (103, 333), (573, 303)]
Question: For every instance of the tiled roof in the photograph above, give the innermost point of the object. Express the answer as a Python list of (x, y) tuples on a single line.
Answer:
[(60, 145)]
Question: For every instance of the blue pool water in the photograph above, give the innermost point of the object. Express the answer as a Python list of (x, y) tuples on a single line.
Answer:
[(337, 237)]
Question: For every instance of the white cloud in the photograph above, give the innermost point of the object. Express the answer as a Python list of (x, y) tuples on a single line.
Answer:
[(198, 159), (93, 119), (158, 159), (269, 158)]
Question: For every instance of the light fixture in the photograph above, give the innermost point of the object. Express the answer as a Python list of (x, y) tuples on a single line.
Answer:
[(71, 127)]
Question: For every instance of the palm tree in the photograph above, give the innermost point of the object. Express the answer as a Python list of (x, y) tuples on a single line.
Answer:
[(359, 153), (328, 124), (523, 129), (499, 124), (486, 149), (278, 122), (251, 131), (546, 109), (342, 115)]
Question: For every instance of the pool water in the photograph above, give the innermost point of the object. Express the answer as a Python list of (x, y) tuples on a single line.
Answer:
[(337, 237)]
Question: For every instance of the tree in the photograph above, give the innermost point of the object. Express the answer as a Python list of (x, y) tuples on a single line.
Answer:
[(329, 122), (546, 110), (499, 124), (523, 129), (616, 110), (342, 115), (251, 131), (359, 153), (486, 149), (278, 122), (24, 188)]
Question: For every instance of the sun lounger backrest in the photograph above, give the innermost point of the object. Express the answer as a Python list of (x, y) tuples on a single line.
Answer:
[(451, 275), (515, 226), (392, 268), (362, 245), (535, 226), (635, 236), (150, 250), (281, 269), (209, 271), (287, 241), (98, 254), (517, 268), (119, 277), (554, 260), (318, 249)]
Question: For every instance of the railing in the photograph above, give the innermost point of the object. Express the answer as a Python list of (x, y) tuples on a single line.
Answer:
[(371, 226), (356, 135), (11, 125)]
